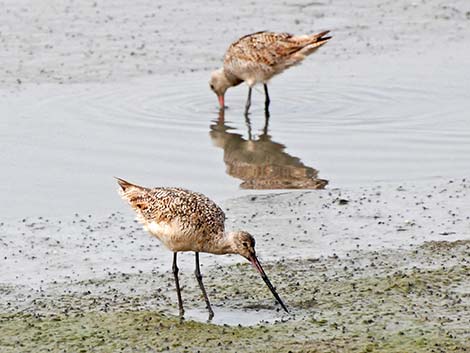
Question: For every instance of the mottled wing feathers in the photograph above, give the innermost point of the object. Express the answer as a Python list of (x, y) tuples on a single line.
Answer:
[(165, 205), (261, 47), (269, 51), (246, 36)]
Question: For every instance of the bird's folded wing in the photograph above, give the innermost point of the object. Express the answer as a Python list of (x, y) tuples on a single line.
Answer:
[(192, 209), (268, 49)]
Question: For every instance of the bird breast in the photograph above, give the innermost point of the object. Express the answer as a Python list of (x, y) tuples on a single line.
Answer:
[(176, 236), (250, 72)]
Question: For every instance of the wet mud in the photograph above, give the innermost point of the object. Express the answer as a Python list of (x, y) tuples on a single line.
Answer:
[(124, 89), (414, 300), (382, 269), (375, 260)]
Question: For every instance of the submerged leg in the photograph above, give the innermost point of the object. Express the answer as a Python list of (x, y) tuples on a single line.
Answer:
[(267, 100), (178, 290), (248, 101), (266, 123), (248, 126), (201, 285)]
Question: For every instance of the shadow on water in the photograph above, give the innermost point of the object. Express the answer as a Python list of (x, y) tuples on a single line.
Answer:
[(260, 162)]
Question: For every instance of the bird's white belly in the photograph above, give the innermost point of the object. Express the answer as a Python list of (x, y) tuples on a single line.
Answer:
[(173, 236), (253, 78), (253, 73)]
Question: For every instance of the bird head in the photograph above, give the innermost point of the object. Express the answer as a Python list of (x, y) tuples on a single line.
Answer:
[(244, 244), (219, 84)]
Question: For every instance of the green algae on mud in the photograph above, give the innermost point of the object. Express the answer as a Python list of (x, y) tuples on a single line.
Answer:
[(416, 300), (150, 331)]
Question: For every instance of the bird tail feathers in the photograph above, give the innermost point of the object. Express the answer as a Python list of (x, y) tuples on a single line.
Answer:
[(315, 41), (132, 193), (306, 45)]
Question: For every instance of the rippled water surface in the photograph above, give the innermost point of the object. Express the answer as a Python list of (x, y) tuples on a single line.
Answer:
[(346, 125)]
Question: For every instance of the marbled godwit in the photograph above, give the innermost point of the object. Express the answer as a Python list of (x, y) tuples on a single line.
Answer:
[(256, 58), (188, 221)]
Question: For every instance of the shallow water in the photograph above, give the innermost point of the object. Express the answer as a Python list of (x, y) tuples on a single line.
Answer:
[(223, 316), (351, 123)]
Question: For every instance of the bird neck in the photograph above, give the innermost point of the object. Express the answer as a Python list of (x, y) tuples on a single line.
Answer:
[(231, 78), (223, 244)]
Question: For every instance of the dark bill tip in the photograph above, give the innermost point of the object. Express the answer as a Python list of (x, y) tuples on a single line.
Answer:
[(254, 261)]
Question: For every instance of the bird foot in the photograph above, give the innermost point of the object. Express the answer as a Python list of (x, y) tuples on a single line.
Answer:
[(181, 318)]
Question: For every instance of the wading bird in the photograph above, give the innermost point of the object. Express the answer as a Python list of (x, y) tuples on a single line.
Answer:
[(257, 57), (188, 221)]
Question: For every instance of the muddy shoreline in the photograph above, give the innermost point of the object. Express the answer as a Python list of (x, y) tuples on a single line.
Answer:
[(92, 89), (376, 269), (386, 301), (67, 42), (97, 89)]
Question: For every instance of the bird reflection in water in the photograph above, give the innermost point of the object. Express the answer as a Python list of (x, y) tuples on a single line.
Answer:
[(260, 162)]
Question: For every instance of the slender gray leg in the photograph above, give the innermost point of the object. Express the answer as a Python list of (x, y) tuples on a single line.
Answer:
[(267, 100), (178, 290), (201, 285), (248, 101)]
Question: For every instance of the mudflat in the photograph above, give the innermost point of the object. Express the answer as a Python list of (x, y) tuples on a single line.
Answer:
[(378, 269), (375, 262)]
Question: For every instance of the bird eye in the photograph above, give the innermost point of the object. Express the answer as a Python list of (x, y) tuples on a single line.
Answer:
[(245, 244), (212, 87)]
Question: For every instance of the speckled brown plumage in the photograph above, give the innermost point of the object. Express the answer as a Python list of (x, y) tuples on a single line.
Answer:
[(167, 204), (175, 210), (257, 57), (189, 221)]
